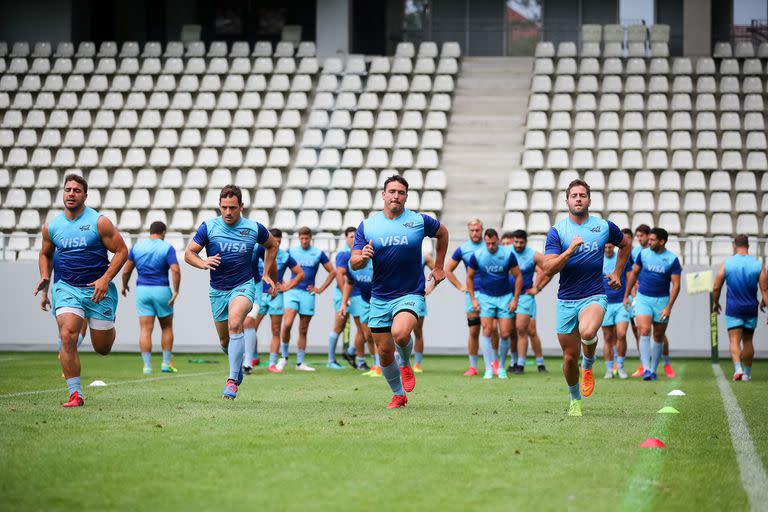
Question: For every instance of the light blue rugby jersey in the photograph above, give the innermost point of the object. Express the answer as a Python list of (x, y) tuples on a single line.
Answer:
[(493, 269), (397, 263), (582, 275), (527, 267), (742, 273), (283, 261), (342, 261), (656, 271), (464, 252), (80, 256), (609, 265), (153, 258), (235, 244), (362, 280), (309, 260)]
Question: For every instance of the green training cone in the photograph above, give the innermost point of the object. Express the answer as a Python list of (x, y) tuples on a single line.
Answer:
[(668, 410)]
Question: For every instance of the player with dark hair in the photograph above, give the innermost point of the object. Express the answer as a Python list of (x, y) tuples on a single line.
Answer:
[(229, 241), (575, 248), (79, 238), (742, 274), (301, 299), (655, 269), (392, 239), (153, 258)]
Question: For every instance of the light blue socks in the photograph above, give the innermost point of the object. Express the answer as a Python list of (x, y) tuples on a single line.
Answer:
[(250, 346), (418, 357), (73, 384), (166, 357), (503, 351), (645, 352), (620, 362), (586, 362), (473, 362), (405, 353), (235, 352), (284, 350), (575, 392), (299, 357), (333, 338), (273, 358), (392, 374), (487, 349), (658, 348), (146, 357)]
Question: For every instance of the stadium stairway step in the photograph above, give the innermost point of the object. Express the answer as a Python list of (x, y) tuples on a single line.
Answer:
[(484, 139)]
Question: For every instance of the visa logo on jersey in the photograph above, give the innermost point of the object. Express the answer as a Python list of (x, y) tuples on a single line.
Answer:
[(494, 268), (393, 240), (73, 243), (588, 247), (231, 247), (659, 269)]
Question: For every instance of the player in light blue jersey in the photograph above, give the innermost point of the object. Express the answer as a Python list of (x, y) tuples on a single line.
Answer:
[(655, 269), (534, 280), (356, 302), (269, 305), (616, 319), (462, 255), (428, 263), (574, 249), (301, 300), (642, 232), (340, 322), (153, 258), (83, 291), (494, 297), (742, 274), (393, 238), (229, 241)]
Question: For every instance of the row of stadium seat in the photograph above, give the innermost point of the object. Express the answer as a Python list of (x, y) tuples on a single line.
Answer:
[(198, 49), (633, 159), (681, 66), (637, 46), (637, 84), (652, 121)]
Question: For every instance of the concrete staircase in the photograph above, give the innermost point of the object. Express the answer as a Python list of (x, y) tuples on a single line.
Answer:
[(485, 139)]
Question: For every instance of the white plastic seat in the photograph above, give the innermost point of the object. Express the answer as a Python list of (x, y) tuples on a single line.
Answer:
[(669, 201)]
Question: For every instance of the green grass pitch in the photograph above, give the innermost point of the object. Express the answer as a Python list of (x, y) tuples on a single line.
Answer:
[(324, 441)]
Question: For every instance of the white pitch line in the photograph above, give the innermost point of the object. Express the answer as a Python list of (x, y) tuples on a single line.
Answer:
[(135, 381), (753, 477)]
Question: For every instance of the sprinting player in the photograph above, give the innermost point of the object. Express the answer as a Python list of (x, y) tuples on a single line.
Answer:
[(418, 332), (80, 238), (530, 262), (495, 297), (742, 273), (340, 321), (655, 268), (269, 305), (463, 254), (153, 258), (229, 241), (301, 299), (616, 319), (356, 302), (575, 248), (392, 238)]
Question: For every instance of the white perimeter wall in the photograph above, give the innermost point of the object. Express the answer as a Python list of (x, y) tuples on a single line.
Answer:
[(26, 327), (333, 27)]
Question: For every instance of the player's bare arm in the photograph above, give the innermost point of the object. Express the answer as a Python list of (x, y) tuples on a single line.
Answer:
[(674, 292), (360, 257), (176, 280), (449, 268), (192, 257), (470, 288), (717, 289), (625, 248), (115, 244), (298, 276), (127, 272), (45, 264), (554, 263), (515, 271), (270, 269), (438, 274), (328, 266), (631, 280)]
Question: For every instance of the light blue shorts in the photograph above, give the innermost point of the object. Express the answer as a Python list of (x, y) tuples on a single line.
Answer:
[(336, 300), (271, 306), (567, 311), (64, 295), (615, 314), (495, 307), (526, 305), (220, 299), (300, 300), (423, 312), (651, 306), (359, 308), (384, 311), (153, 301), (468, 304), (735, 322)]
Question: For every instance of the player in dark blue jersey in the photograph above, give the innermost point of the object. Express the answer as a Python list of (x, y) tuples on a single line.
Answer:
[(574, 249), (229, 241), (340, 322), (301, 300), (742, 274), (393, 238), (655, 268), (269, 305), (462, 255), (616, 320), (83, 290), (356, 302), (153, 258)]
